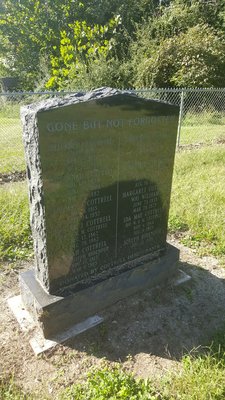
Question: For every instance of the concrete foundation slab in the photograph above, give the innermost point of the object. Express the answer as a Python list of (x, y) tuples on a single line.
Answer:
[(38, 343)]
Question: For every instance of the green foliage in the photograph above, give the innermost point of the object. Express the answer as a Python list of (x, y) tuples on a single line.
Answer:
[(113, 384), (195, 58), (180, 43), (29, 38), (201, 378), (100, 72), (15, 235), (184, 46), (179, 16), (31, 28), (81, 47)]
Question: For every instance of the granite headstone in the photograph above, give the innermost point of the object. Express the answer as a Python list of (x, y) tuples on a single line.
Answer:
[(99, 168)]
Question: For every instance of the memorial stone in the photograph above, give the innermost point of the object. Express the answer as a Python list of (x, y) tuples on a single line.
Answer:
[(99, 169)]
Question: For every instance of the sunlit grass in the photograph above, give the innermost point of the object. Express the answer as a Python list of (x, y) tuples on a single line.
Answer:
[(200, 377), (202, 134), (205, 127), (11, 145), (198, 199), (15, 235)]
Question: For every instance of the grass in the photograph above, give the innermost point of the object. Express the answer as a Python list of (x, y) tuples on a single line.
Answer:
[(200, 377), (198, 199), (11, 146), (15, 235), (11, 149), (207, 117), (201, 134), (10, 391), (206, 127)]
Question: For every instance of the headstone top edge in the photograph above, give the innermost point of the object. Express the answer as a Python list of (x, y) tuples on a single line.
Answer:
[(80, 97)]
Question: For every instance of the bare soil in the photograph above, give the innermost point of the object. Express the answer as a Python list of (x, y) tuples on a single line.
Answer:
[(16, 176), (147, 333)]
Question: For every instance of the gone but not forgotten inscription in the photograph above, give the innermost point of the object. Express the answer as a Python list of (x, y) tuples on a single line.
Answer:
[(100, 170)]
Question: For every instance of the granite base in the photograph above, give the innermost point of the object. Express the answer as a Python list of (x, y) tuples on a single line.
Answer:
[(55, 314)]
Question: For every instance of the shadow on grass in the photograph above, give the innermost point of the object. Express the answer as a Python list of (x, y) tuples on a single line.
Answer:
[(165, 321)]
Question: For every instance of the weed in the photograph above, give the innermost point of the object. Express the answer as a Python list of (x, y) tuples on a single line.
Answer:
[(113, 384), (10, 391), (103, 330), (188, 293)]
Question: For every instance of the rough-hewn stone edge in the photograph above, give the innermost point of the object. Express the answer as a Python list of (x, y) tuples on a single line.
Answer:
[(35, 189), (79, 97)]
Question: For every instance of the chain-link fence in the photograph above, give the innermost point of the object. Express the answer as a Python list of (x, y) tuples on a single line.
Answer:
[(201, 121), (11, 145), (202, 113)]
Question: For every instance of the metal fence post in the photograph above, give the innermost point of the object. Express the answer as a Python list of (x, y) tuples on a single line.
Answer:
[(180, 118)]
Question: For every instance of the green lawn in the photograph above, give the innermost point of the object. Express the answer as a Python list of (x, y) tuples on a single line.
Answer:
[(198, 199), (15, 236), (206, 127), (11, 149), (201, 134), (11, 145)]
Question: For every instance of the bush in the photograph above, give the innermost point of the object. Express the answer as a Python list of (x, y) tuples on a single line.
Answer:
[(195, 58)]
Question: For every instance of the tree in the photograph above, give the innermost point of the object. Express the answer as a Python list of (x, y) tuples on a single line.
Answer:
[(195, 58), (182, 47), (81, 47), (39, 39), (31, 29)]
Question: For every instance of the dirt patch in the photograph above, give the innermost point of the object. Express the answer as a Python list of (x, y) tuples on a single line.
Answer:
[(196, 146), (221, 140), (16, 176), (148, 333)]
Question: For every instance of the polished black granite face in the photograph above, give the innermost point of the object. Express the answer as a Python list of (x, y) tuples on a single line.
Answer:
[(107, 171)]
